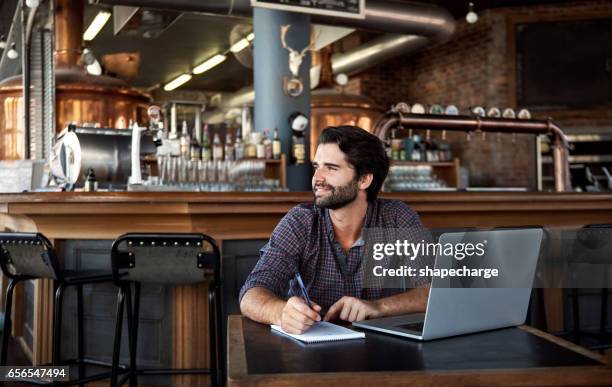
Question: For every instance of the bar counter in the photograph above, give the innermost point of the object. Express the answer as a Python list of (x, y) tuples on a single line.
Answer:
[(231, 215), (64, 217)]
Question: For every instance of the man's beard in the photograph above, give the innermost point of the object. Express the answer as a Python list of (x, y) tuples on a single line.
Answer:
[(338, 197)]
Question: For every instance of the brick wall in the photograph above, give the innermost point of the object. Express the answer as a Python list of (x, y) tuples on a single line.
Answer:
[(475, 67)]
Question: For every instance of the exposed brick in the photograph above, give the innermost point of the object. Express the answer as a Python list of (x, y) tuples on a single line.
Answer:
[(473, 68)]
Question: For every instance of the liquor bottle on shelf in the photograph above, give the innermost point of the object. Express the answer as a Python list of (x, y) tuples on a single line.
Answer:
[(185, 141), (217, 148), (267, 143), (206, 149), (229, 147), (259, 147), (195, 148), (251, 147), (416, 152), (395, 146), (239, 147), (276, 146)]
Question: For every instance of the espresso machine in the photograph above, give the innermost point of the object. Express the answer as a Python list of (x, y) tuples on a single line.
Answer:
[(106, 152)]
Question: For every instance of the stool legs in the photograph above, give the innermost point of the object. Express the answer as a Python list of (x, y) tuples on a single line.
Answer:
[(57, 325), (134, 335), (576, 315), (212, 331), (117, 341), (131, 335), (80, 334), (8, 310)]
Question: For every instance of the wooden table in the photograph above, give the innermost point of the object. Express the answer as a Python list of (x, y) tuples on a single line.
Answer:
[(521, 356)]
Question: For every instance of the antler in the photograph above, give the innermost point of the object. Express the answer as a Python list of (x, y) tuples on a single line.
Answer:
[(284, 30), (313, 42), (311, 46)]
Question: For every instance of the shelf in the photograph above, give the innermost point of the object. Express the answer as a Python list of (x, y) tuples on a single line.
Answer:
[(432, 163), (582, 159), (448, 171)]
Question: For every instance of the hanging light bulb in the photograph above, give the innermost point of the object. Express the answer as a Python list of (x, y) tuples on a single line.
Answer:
[(32, 3), (2, 42), (12, 53), (471, 17)]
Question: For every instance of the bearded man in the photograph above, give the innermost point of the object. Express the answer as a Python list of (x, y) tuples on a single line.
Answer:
[(323, 242)]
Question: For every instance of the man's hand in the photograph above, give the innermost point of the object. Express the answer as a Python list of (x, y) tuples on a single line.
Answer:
[(297, 317), (353, 309)]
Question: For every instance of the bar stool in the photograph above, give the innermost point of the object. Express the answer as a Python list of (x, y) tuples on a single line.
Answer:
[(593, 245), (27, 256), (166, 259)]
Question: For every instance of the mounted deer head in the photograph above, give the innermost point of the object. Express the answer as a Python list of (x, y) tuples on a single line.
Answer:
[(295, 57)]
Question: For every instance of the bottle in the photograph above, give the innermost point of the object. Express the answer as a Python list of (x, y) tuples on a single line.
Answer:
[(229, 147), (267, 143), (217, 148), (395, 146), (206, 149), (185, 141), (91, 184), (239, 146), (259, 146), (194, 149), (276, 146), (251, 148)]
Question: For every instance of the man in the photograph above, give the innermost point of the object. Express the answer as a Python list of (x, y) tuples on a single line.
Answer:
[(323, 242)]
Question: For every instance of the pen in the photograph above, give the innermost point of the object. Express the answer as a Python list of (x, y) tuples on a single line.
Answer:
[(298, 278)]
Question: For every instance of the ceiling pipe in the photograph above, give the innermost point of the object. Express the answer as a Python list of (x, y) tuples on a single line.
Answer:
[(380, 15)]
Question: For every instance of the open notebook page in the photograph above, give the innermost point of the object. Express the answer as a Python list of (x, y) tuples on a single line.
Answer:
[(323, 331)]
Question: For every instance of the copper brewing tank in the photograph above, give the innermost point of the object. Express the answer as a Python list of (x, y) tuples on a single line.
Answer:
[(79, 97), (330, 107)]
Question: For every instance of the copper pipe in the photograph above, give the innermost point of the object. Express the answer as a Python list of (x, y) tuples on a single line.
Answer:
[(499, 125), (68, 32)]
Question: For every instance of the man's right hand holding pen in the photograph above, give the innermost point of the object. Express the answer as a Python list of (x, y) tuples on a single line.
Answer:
[(297, 317)]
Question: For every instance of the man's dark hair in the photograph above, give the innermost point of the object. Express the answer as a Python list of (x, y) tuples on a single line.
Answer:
[(364, 151)]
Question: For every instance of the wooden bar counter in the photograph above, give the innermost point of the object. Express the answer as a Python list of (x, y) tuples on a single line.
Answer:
[(246, 216)]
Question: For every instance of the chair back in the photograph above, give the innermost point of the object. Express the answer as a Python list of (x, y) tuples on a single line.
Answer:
[(168, 259), (28, 255)]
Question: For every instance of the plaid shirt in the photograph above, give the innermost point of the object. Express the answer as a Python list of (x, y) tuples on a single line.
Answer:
[(304, 241)]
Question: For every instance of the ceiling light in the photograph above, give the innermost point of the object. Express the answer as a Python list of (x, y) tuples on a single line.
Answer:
[(32, 3), (240, 45), (471, 17), (209, 64), (96, 25), (250, 37), (176, 82), (12, 53)]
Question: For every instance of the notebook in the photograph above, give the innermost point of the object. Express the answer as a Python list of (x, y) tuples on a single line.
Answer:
[(323, 331)]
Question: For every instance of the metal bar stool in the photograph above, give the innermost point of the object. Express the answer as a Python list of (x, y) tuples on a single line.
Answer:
[(27, 256), (593, 245), (167, 259)]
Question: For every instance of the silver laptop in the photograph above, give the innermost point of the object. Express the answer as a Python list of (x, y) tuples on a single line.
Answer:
[(475, 304)]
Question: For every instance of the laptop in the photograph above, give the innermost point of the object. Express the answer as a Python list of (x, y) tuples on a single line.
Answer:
[(474, 304)]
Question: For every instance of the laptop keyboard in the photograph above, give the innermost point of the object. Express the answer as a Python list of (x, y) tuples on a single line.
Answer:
[(418, 327)]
